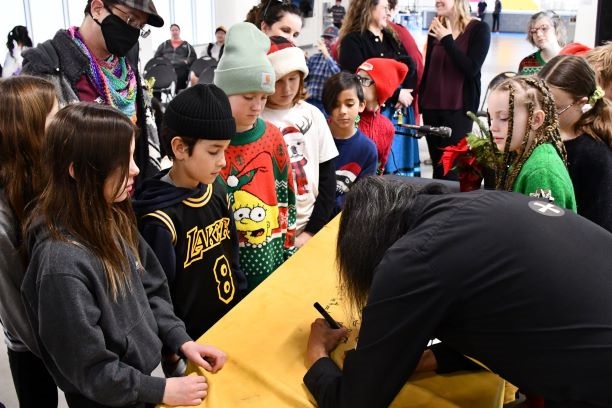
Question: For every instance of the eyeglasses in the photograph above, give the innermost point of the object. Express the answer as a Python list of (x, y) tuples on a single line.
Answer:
[(365, 81), (132, 21), (561, 110), (544, 28), (278, 2)]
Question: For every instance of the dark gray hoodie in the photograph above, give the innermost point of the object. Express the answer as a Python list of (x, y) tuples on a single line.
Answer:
[(101, 348)]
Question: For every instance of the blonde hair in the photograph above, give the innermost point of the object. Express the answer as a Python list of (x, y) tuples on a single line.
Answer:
[(600, 59), (532, 93), (462, 14)]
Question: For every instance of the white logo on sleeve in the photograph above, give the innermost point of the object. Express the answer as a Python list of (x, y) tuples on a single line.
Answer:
[(545, 208)]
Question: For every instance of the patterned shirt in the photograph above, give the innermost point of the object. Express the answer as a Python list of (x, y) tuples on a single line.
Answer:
[(320, 69)]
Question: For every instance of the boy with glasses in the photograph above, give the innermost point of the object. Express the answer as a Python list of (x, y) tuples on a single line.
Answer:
[(380, 77)]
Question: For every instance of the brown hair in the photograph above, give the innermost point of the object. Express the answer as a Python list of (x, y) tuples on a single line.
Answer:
[(574, 75), (532, 93), (25, 103), (600, 59), (270, 12), (358, 19), (86, 144)]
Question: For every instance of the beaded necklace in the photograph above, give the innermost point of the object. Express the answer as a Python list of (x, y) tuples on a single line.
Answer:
[(113, 79)]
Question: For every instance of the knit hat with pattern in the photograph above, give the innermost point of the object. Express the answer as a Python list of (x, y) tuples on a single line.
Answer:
[(202, 112)]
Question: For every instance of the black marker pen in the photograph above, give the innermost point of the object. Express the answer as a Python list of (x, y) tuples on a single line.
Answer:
[(332, 323)]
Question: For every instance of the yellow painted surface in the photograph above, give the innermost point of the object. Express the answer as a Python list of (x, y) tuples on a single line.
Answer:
[(265, 338)]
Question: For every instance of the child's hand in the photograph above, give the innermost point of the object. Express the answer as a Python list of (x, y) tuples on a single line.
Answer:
[(208, 357), (438, 30), (190, 390)]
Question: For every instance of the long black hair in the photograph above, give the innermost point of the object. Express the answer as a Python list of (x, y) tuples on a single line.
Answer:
[(19, 35), (376, 213)]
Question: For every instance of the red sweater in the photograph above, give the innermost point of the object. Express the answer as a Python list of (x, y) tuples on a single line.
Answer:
[(380, 129)]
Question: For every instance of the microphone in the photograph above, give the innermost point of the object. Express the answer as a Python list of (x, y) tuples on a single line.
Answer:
[(441, 131)]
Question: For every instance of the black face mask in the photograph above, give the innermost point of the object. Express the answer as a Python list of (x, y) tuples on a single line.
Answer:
[(118, 35)]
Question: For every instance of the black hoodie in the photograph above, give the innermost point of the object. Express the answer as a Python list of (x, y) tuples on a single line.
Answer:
[(193, 234)]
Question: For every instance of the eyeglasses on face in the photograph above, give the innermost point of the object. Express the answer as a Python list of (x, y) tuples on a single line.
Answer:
[(562, 110), (365, 81), (544, 28), (131, 21)]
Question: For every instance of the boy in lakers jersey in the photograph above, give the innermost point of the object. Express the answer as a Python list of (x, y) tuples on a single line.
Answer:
[(184, 214)]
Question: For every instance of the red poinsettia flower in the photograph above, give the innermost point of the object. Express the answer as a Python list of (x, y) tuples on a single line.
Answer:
[(452, 153), (462, 158)]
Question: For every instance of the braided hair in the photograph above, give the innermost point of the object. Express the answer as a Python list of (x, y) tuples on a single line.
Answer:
[(534, 94)]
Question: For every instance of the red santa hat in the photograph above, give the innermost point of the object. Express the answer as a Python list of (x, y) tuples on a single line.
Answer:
[(256, 178), (286, 57), (387, 74), (575, 49)]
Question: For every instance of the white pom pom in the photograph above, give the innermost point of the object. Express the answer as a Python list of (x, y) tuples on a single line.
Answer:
[(232, 181)]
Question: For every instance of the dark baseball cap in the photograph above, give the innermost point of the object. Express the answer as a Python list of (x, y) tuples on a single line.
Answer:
[(146, 6), (330, 32)]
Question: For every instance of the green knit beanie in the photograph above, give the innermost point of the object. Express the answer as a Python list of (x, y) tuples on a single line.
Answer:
[(244, 66)]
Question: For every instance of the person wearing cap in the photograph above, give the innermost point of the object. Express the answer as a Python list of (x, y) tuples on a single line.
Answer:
[(312, 150), (321, 67), (215, 50), (98, 62), (379, 78), (182, 206), (257, 175), (180, 53)]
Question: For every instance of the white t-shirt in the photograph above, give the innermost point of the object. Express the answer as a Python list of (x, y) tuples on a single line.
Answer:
[(310, 143)]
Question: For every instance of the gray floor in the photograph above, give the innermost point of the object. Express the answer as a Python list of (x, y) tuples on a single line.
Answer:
[(505, 53)]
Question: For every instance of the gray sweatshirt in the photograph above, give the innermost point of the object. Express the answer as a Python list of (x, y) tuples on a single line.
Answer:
[(102, 349), (17, 332)]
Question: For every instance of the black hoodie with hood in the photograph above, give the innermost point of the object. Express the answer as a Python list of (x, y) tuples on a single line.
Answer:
[(193, 234)]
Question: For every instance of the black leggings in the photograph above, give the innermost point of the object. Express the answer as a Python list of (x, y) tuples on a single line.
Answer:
[(460, 124), (33, 383)]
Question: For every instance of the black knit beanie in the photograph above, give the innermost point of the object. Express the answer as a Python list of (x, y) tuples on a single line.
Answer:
[(202, 112)]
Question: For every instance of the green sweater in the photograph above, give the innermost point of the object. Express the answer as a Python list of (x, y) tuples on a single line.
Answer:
[(545, 170)]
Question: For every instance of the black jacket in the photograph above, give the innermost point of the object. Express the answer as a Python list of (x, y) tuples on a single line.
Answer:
[(358, 47), (498, 276)]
